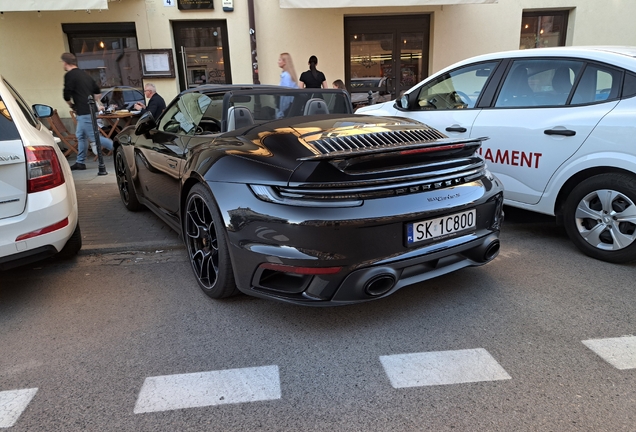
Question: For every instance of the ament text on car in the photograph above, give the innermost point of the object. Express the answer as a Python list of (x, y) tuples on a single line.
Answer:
[(285, 194)]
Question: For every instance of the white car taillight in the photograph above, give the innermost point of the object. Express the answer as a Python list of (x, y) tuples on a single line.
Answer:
[(43, 169)]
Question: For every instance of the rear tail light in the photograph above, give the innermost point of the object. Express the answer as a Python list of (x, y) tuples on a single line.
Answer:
[(43, 169), (301, 270)]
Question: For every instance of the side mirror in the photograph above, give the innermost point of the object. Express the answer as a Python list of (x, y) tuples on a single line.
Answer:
[(404, 102), (42, 111), (145, 123)]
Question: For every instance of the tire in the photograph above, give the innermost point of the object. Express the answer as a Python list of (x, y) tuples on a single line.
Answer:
[(206, 242), (124, 182), (600, 217), (73, 245)]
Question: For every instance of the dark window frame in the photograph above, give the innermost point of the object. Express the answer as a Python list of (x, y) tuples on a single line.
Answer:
[(564, 13), (121, 30), (184, 24)]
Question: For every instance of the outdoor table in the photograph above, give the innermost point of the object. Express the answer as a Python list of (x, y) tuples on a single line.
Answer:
[(116, 121)]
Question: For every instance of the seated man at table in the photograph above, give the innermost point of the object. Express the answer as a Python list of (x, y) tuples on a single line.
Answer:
[(156, 104)]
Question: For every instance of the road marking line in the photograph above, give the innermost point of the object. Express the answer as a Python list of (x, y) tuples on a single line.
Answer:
[(12, 404), (171, 392), (442, 368), (620, 352)]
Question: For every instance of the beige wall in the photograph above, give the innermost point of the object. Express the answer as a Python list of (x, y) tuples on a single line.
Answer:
[(32, 44)]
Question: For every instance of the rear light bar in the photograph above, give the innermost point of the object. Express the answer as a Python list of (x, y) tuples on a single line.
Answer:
[(301, 270), (433, 149), (56, 226), (43, 169)]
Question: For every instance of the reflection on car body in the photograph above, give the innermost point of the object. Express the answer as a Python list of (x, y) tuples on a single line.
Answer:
[(122, 97), (360, 88), (307, 204), (561, 133)]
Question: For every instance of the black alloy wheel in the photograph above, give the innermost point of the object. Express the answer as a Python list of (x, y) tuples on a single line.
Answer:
[(206, 241), (600, 217), (124, 182)]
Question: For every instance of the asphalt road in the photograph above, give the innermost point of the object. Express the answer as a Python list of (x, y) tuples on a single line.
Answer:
[(92, 336)]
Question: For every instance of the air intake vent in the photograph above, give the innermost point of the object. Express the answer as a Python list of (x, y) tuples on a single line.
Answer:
[(376, 140)]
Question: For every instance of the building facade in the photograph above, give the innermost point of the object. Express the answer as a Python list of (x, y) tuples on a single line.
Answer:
[(177, 44)]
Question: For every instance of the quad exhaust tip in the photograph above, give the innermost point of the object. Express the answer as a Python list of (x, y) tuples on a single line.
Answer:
[(492, 250), (379, 285)]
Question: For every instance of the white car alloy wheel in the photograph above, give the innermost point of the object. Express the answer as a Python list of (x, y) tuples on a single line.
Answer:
[(600, 217)]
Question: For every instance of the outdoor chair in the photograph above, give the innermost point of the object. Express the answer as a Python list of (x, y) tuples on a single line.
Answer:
[(68, 139)]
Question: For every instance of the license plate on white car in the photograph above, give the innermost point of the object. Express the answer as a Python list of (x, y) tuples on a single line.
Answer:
[(440, 227)]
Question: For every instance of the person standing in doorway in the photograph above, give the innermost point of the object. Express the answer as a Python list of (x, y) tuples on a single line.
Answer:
[(156, 104), (288, 78), (78, 86), (313, 78)]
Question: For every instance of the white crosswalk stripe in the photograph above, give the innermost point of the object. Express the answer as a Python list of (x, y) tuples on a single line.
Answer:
[(170, 392), (12, 404), (620, 352), (442, 367)]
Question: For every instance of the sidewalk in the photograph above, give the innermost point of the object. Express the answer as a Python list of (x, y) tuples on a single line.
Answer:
[(107, 226)]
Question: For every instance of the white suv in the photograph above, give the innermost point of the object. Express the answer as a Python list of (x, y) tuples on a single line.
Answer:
[(38, 205), (562, 133)]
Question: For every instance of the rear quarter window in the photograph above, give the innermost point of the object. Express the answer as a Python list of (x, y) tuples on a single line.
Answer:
[(629, 87), (8, 131)]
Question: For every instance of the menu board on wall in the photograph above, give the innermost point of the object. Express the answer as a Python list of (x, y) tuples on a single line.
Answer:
[(194, 4)]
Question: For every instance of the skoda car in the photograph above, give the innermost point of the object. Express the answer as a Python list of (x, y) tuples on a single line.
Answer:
[(38, 205), (562, 134), (285, 194)]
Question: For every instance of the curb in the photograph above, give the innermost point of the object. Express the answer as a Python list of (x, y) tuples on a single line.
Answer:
[(123, 247)]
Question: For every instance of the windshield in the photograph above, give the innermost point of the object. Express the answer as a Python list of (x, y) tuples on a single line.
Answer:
[(277, 105)]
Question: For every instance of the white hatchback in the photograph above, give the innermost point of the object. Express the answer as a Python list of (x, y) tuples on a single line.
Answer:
[(561, 124), (38, 204)]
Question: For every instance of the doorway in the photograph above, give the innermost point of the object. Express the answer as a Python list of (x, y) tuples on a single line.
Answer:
[(203, 55), (376, 48)]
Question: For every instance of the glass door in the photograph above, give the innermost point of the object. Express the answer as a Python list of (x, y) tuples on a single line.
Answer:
[(203, 54), (385, 56)]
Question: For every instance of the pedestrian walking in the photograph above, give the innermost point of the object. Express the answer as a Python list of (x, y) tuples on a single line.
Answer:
[(313, 78), (78, 86), (288, 78)]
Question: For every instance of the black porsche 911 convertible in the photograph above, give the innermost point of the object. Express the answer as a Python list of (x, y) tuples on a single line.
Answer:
[(285, 194)]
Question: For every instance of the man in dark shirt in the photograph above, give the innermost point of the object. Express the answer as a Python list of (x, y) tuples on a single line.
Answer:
[(78, 85), (156, 104)]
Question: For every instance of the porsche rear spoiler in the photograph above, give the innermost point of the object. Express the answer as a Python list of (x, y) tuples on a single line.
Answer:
[(401, 142)]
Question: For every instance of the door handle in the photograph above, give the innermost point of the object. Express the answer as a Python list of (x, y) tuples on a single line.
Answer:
[(172, 163), (564, 132), (456, 129)]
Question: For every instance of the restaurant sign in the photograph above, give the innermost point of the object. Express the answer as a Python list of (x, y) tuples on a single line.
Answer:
[(194, 4)]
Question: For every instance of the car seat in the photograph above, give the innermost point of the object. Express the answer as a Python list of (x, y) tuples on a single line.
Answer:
[(561, 85), (315, 106), (239, 117), (516, 90)]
